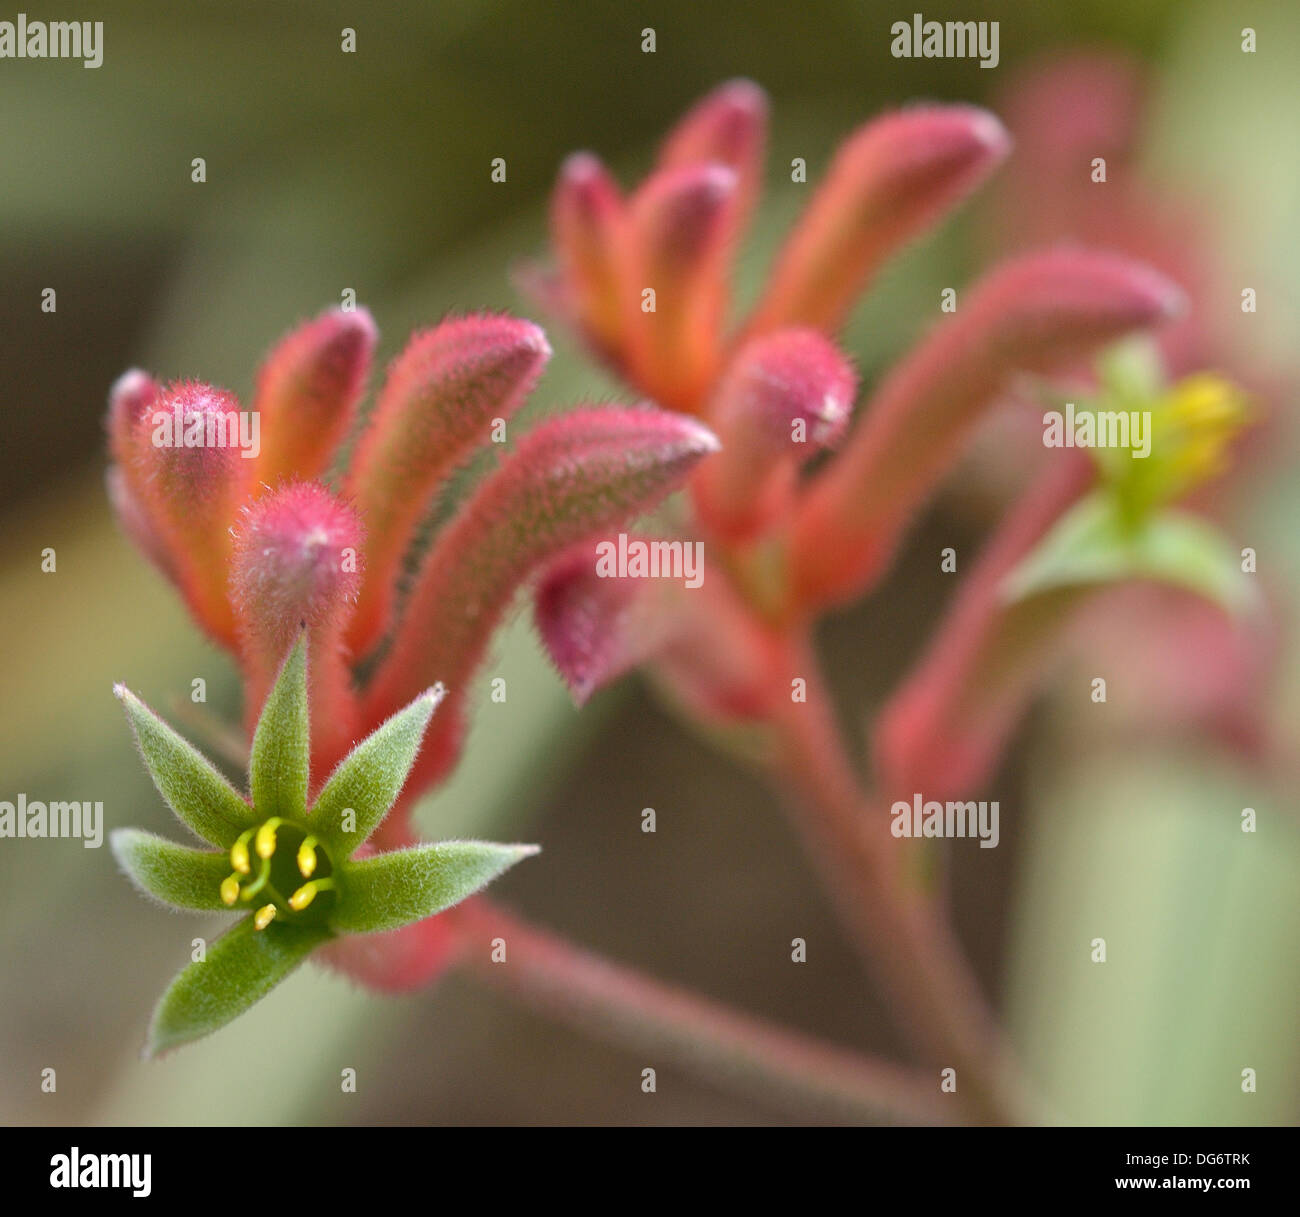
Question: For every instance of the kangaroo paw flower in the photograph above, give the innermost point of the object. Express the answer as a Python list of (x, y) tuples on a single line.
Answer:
[(291, 869)]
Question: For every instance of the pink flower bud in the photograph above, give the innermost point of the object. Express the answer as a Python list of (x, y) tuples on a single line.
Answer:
[(728, 127), (680, 227), (1033, 314), (569, 478), (595, 629), (889, 182), (297, 560), (130, 402), (442, 397), (587, 233), (186, 459), (784, 397), (307, 392)]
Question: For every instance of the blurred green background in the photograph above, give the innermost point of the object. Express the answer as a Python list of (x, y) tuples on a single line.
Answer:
[(370, 171)]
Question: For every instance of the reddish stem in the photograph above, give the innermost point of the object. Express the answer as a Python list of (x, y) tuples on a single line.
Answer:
[(910, 949), (665, 1022)]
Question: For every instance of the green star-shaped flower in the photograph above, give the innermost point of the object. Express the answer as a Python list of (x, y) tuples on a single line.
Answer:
[(292, 867)]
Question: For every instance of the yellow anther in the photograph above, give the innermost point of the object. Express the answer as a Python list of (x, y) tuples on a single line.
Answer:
[(230, 889), (1200, 416), (265, 843), (264, 916), (239, 854), (307, 858), (302, 897)]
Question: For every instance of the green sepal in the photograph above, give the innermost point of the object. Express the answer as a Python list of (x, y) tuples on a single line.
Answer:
[(191, 786), (175, 874), (393, 889), (369, 779), (278, 766), (242, 967), (1094, 543)]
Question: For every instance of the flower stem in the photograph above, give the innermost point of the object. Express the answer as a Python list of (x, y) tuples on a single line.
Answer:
[(668, 1023), (909, 948)]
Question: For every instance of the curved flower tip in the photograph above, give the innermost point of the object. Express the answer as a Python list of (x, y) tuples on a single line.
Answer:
[(443, 396), (680, 229), (586, 231), (785, 396), (728, 127), (889, 182), (1037, 314), (296, 562), (129, 400), (593, 628), (307, 392), (296, 559)]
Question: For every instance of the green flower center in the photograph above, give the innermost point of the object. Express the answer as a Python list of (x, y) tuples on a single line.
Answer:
[(283, 872)]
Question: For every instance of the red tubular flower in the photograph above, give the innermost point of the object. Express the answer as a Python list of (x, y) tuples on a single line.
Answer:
[(785, 396), (570, 478), (679, 229), (595, 629), (702, 639), (307, 393), (587, 214), (1039, 313), (436, 409), (890, 181), (183, 460), (728, 127)]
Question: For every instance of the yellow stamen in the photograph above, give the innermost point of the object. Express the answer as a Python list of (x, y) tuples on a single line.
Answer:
[(302, 897), (265, 843), (307, 858), (1195, 424), (264, 916), (239, 853), (230, 889), (308, 892)]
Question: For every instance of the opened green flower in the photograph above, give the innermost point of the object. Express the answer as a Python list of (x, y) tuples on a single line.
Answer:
[(290, 867), (1128, 526)]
